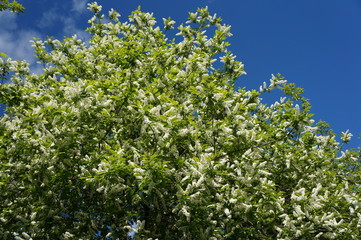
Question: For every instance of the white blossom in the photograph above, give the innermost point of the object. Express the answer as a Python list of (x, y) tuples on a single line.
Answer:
[(94, 7), (346, 136)]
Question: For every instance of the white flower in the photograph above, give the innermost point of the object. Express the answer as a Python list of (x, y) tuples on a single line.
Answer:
[(297, 110), (316, 190), (26, 236), (113, 15), (227, 130), (186, 213), (218, 96), (183, 131), (94, 7), (168, 23), (298, 195), (68, 235), (298, 211), (246, 206), (346, 136)]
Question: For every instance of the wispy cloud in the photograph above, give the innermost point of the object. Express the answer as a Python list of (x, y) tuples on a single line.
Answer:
[(66, 22), (49, 18), (8, 21), (79, 6), (70, 28), (15, 41), (15, 38), (17, 45)]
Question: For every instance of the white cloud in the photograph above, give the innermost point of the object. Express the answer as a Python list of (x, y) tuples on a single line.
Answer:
[(65, 22), (48, 19), (8, 21), (79, 6), (17, 45), (14, 41), (70, 28)]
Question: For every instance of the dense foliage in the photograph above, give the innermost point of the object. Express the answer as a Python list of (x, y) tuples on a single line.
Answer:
[(13, 6), (134, 135)]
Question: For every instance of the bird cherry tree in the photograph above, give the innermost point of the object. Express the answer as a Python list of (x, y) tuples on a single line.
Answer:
[(134, 135)]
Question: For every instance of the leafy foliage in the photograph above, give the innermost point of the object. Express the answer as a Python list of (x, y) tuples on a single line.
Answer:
[(135, 134), (13, 6)]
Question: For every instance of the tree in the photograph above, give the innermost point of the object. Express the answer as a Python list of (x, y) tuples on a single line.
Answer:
[(13, 6), (133, 135)]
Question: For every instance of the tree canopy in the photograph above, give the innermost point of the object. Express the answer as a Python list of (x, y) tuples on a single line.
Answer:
[(13, 6), (134, 135)]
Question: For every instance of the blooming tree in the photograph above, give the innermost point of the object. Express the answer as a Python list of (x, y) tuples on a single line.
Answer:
[(133, 135)]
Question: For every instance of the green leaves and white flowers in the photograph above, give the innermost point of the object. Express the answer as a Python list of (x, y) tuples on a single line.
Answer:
[(135, 133), (13, 6)]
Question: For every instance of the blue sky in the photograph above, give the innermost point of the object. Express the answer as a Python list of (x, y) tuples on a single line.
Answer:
[(313, 43)]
